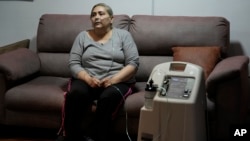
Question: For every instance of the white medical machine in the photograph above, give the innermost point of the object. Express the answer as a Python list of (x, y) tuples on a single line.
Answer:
[(175, 104)]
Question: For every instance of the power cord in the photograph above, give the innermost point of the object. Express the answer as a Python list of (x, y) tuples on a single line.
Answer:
[(126, 114)]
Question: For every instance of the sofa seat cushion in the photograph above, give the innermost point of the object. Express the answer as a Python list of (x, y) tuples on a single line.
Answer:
[(44, 94)]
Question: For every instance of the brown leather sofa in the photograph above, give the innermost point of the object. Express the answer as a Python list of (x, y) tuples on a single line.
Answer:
[(32, 83)]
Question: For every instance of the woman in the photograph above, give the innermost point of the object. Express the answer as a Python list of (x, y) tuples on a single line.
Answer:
[(103, 62)]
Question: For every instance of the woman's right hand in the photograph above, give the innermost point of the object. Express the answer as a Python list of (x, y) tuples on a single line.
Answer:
[(92, 81)]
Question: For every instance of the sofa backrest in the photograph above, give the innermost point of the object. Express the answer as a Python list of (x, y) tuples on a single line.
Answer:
[(154, 35)]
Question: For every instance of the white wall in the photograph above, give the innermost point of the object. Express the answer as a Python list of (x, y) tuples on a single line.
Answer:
[(19, 19)]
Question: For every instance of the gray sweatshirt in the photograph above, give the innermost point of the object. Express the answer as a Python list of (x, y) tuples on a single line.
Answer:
[(103, 60)]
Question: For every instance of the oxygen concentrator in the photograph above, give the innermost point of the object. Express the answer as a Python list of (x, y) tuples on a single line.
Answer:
[(175, 104)]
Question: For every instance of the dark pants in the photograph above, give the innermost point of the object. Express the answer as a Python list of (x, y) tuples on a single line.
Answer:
[(79, 100)]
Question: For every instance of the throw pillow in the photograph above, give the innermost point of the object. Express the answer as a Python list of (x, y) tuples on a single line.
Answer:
[(206, 57)]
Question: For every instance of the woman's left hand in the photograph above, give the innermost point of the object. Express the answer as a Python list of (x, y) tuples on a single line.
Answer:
[(106, 82)]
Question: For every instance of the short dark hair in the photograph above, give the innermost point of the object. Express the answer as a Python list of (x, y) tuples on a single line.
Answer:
[(107, 7)]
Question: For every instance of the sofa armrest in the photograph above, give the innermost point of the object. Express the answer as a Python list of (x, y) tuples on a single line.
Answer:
[(19, 63), (14, 46), (227, 87), (15, 65), (227, 69)]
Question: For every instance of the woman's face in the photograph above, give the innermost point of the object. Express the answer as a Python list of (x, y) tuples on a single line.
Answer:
[(100, 18)]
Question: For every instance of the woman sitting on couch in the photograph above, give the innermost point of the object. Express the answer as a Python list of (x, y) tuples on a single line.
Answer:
[(103, 62)]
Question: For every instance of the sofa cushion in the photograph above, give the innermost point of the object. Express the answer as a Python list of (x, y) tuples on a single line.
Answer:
[(135, 101), (42, 94), (147, 63), (206, 57), (54, 64), (28, 63), (156, 35)]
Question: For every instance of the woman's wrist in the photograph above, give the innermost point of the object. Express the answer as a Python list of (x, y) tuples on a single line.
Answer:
[(113, 80), (83, 76)]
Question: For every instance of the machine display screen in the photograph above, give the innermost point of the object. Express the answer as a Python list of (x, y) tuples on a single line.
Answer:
[(177, 67)]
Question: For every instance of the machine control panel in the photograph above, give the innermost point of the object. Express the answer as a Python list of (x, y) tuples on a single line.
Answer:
[(177, 87)]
